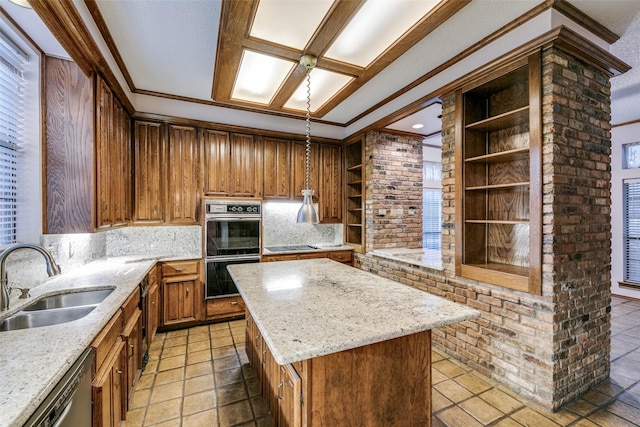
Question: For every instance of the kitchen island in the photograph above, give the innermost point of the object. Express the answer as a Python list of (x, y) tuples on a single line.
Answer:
[(335, 345)]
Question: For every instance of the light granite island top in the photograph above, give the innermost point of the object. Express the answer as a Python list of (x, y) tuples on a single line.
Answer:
[(311, 308)]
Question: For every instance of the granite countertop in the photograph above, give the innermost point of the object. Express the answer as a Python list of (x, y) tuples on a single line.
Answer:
[(311, 308), (34, 360), (296, 249)]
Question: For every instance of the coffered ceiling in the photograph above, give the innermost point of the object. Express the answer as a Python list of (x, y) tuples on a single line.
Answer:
[(197, 51)]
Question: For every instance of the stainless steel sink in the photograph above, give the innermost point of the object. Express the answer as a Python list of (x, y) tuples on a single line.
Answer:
[(34, 319), (74, 299), (55, 309)]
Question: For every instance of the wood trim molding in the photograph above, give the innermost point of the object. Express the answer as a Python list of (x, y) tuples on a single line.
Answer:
[(67, 26), (576, 15), (632, 122)]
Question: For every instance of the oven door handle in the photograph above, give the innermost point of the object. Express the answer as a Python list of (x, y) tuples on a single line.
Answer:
[(234, 258), (218, 218)]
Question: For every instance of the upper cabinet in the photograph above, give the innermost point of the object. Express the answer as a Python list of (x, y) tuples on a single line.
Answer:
[(184, 175), (87, 152), (298, 169), (276, 160), (231, 164), (148, 159), (498, 175), (330, 184)]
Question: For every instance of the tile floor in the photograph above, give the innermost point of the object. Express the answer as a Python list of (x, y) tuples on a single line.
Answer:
[(201, 377)]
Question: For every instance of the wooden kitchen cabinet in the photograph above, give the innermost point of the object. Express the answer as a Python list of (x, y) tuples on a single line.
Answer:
[(232, 164), (254, 346), (498, 176), (183, 169), (87, 152), (330, 185), (153, 305), (290, 397), (132, 338), (108, 383), (224, 308), (354, 194), (148, 188), (276, 160), (181, 289), (345, 257), (298, 174)]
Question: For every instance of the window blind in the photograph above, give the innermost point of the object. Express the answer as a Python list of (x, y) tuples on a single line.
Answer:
[(631, 201), (12, 113), (431, 218)]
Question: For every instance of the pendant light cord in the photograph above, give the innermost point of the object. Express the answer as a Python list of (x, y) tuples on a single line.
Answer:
[(308, 124)]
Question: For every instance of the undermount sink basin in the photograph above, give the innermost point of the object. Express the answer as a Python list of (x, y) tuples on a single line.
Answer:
[(74, 299), (34, 319), (55, 309)]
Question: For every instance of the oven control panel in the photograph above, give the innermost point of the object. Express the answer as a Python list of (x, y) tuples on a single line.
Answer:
[(213, 207)]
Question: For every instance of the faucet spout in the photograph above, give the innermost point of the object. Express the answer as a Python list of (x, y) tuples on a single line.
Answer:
[(5, 291)]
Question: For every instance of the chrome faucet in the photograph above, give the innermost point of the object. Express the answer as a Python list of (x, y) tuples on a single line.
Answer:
[(5, 292)]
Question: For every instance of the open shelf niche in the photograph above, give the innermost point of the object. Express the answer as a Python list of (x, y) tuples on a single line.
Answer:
[(354, 194), (498, 222)]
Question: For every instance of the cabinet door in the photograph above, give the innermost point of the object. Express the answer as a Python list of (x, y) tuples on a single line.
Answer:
[(108, 391), (289, 389), (276, 168), (153, 301), (271, 385), (179, 299), (104, 156), (217, 158), (243, 166), (132, 336), (184, 178), (148, 188), (330, 187), (298, 173)]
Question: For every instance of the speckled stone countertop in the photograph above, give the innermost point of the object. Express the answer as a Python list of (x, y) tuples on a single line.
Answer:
[(32, 361), (311, 308)]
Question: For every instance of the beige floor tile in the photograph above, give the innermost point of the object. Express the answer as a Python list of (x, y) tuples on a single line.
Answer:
[(152, 366), (253, 387), (235, 413), (146, 380), (240, 323), (481, 410), (473, 383), (563, 417), (437, 376), (448, 368), (217, 326), (220, 333), (585, 423), (198, 384), (625, 411), (231, 393), (221, 342), (135, 417), (453, 391), (507, 422), (163, 411), (268, 422), (171, 363), (456, 417), (438, 401), (500, 400), (581, 407), (198, 402), (220, 352), (206, 418), (195, 330), (177, 350), (247, 370), (171, 342), (166, 392), (198, 357), (177, 333), (604, 418), (260, 406), (140, 398), (198, 337), (198, 369), (198, 346), (530, 418), (225, 363), (176, 422), (170, 376)]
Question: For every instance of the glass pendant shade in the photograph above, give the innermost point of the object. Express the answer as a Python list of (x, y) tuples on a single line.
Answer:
[(307, 212)]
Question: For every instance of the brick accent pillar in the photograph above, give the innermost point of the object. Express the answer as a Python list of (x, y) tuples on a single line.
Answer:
[(393, 167), (576, 107)]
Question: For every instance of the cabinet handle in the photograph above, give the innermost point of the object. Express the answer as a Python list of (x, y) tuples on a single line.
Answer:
[(222, 183), (130, 345), (237, 183), (234, 303), (187, 291), (279, 388), (180, 268)]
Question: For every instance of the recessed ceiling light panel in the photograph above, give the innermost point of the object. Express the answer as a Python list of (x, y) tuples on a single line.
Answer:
[(375, 27), (260, 76), (324, 85), (289, 23)]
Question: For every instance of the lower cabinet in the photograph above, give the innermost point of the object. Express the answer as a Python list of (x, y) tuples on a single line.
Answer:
[(345, 257), (181, 289), (224, 308), (109, 389), (132, 337), (153, 306)]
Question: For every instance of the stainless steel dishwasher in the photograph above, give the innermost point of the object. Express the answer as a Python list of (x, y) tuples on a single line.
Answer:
[(69, 403)]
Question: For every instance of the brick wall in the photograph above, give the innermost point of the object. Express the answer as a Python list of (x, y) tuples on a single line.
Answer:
[(393, 191), (552, 347)]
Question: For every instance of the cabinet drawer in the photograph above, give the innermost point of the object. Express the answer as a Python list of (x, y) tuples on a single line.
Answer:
[(341, 256), (230, 306), (179, 268), (107, 338), (131, 304)]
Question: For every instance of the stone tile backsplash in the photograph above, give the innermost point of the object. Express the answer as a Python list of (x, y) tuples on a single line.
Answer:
[(279, 227)]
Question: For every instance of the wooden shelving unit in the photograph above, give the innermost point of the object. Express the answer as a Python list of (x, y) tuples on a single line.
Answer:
[(498, 146), (354, 194)]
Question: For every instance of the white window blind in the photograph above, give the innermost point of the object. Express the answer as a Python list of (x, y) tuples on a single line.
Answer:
[(431, 204), (12, 113), (631, 200)]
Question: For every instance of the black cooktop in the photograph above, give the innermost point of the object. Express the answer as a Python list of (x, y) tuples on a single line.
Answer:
[(289, 248)]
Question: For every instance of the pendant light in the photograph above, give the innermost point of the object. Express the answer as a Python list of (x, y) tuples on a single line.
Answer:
[(23, 3), (307, 212)]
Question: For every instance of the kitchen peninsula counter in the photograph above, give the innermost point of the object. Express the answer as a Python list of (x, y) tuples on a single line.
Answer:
[(360, 343)]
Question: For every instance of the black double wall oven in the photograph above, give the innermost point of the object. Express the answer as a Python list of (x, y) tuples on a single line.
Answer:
[(231, 233)]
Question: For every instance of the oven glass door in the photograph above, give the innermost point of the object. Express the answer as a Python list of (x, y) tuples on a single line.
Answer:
[(232, 236), (219, 282)]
